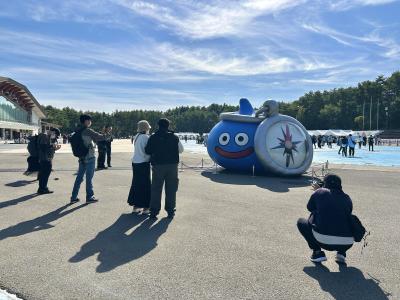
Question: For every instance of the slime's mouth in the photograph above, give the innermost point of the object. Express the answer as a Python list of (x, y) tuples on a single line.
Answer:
[(234, 155)]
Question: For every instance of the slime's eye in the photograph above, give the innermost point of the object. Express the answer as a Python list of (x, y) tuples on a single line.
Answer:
[(241, 139), (224, 139)]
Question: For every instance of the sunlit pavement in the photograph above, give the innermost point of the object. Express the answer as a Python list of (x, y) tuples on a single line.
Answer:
[(234, 237)]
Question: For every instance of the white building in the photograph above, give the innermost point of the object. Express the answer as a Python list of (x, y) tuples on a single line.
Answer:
[(20, 112)]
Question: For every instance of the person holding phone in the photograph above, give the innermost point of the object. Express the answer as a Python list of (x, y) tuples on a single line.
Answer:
[(329, 225), (48, 145)]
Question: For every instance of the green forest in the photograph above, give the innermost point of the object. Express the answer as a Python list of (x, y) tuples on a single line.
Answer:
[(338, 108)]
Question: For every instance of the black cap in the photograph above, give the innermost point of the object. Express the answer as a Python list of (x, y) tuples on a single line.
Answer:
[(332, 181), (84, 118), (163, 123)]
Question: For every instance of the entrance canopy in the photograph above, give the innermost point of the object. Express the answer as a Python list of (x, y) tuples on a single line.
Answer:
[(19, 94)]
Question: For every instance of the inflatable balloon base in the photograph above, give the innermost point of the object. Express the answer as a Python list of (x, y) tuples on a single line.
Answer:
[(262, 141)]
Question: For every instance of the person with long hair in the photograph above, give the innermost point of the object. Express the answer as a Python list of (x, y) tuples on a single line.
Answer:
[(140, 192)]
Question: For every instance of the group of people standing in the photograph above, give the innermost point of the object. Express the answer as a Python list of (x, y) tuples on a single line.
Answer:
[(347, 144), (159, 152)]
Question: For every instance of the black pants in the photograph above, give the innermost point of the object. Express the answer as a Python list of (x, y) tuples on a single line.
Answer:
[(306, 231), (33, 164), (168, 174), (140, 192), (344, 151), (351, 151), (108, 151), (44, 174), (101, 159), (370, 147)]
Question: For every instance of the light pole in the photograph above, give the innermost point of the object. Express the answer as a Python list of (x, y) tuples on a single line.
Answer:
[(387, 117)]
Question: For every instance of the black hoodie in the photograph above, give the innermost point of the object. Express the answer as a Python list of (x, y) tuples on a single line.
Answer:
[(331, 211), (163, 148)]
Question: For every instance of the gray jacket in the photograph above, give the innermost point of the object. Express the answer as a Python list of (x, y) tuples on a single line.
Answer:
[(89, 136)]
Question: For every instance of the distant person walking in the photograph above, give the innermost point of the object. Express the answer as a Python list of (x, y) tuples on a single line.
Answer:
[(319, 141), (340, 144), (83, 147), (140, 192), (329, 225), (352, 145), (330, 141), (314, 141), (344, 146), (371, 143), (164, 148), (47, 146), (364, 138)]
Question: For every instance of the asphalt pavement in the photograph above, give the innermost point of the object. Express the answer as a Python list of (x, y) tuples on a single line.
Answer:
[(233, 237)]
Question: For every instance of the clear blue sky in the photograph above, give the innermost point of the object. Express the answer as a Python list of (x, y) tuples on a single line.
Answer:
[(124, 54)]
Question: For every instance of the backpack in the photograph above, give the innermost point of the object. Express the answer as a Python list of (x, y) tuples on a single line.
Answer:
[(357, 228), (78, 146), (33, 147)]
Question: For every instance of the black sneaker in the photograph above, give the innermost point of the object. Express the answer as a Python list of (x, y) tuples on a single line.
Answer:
[(340, 258), (92, 200), (110, 166), (101, 168), (43, 192), (318, 256), (153, 216), (171, 215), (74, 200)]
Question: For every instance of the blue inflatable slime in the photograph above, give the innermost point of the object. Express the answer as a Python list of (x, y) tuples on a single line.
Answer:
[(262, 140)]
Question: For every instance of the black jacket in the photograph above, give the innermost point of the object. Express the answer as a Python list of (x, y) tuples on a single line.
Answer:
[(45, 147), (331, 212), (163, 148)]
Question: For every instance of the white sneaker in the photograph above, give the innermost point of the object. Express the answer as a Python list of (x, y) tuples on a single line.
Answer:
[(146, 211), (136, 210), (340, 258)]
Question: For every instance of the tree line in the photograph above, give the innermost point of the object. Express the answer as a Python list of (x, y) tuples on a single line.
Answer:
[(370, 105)]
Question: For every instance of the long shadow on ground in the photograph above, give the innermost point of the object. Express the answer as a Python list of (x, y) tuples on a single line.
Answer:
[(272, 183), (40, 223), (17, 200), (116, 248), (347, 284), (20, 183)]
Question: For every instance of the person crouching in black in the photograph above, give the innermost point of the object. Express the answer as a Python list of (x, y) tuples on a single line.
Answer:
[(47, 147), (329, 225)]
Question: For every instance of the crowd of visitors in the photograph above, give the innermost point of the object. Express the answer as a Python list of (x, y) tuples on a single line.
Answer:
[(346, 144)]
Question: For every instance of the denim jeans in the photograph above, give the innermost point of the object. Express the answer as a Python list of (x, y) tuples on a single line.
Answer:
[(85, 167)]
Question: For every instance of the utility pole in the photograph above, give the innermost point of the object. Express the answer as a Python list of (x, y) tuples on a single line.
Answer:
[(364, 115), (370, 115), (377, 116)]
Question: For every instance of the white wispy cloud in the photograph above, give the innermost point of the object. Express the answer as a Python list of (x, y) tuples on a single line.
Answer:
[(208, 19), (390, 45), (154, 57), (179, 52), (349, 4)]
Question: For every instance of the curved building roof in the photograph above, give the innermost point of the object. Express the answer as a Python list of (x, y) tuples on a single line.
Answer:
[(19, 94)]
